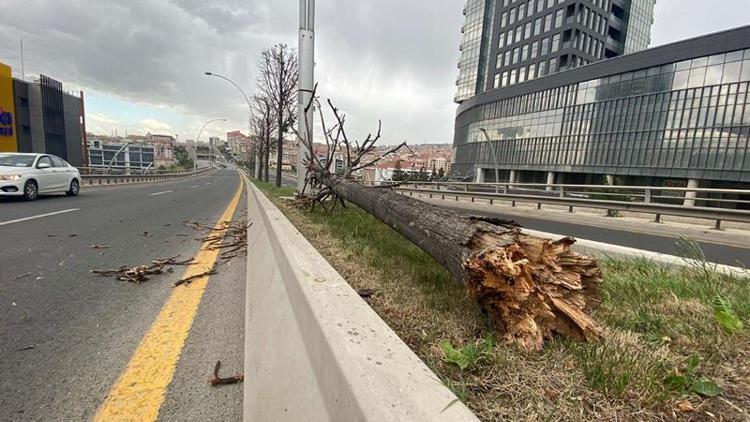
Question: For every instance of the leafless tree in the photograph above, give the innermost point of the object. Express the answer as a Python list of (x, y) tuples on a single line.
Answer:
[(277, 81), (263, 124), (529, 287)]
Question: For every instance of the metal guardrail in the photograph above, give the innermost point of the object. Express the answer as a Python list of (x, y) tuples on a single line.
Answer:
[(114, 179), (682, 202)]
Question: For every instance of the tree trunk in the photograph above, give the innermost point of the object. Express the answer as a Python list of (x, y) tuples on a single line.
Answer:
[(267, 158), (530, 287), (279, 148)]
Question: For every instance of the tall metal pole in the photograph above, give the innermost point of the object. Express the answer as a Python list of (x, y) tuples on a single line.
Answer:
[(195, 163), (306, 49), (249, 111)]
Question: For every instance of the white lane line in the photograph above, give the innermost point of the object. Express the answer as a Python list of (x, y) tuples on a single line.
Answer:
[(160, 193), (5, 223)]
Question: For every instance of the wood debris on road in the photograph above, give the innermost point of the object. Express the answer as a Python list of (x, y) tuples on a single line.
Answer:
[(141, 273), (216, 380)]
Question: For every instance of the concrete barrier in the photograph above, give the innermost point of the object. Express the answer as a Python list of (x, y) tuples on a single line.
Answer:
[(314, 350)]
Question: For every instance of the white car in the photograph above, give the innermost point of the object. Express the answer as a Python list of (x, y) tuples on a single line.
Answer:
[(31, 175)]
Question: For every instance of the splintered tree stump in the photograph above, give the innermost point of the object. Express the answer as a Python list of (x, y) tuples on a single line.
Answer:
[(531, 288)]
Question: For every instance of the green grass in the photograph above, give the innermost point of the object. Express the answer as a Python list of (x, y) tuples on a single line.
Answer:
[(655, 319)]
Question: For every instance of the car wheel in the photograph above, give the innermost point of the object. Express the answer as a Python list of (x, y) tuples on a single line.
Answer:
[(75, 187), (30, 191)]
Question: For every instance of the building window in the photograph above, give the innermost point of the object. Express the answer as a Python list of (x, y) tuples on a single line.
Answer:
[(506, 58), (501, 41), (496, 84), (538, 26), (522, 75), (499, 61), (527, 30), (504, 19), (558, 18), (548, 22), (505, 78), (512, 14), (542, 68), (513, 75), (532, 71), (545, 47), (534, 49), (552, 65), (519, 33), (556, 43), (525, 52)]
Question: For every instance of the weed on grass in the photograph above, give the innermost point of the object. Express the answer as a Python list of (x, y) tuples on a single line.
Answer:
[(676, 344)]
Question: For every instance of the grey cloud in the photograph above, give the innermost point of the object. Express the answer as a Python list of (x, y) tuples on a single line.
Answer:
[(389, 59)]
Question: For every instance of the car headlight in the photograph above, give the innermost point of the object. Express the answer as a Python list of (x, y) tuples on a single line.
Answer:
[(10, 177)]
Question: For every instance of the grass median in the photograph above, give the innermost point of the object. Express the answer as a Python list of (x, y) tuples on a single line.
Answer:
[(676, 346)]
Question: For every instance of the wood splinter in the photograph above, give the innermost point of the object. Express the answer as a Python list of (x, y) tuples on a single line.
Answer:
[(216, 380)]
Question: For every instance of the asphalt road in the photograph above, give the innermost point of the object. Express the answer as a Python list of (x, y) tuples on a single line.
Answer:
[(722, 254), (66, 334)]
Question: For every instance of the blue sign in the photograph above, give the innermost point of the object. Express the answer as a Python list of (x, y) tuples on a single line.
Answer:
[(6, 123)]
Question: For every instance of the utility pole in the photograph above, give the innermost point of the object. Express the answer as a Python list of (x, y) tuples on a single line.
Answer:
[(306, 49)]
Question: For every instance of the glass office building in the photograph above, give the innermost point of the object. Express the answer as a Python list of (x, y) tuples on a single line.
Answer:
[(664, 116), (506, 42)]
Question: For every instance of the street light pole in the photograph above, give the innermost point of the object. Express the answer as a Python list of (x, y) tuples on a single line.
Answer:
[(306, 50), (249, 111), (122, 148), (195, 163)]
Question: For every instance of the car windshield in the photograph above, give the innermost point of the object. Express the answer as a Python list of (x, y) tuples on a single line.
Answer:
[(16, 160)]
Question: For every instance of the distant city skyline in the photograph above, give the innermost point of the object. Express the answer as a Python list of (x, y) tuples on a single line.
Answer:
[(394, 60)]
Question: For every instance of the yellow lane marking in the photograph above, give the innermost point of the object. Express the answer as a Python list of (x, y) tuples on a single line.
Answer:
[(140, 391)]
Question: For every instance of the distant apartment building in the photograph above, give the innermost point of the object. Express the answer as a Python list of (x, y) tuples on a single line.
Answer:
[(120, 155), (238, 143), (163, 146), (39, 116)]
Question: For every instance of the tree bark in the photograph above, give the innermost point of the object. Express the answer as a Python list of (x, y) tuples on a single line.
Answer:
[(531, 288)]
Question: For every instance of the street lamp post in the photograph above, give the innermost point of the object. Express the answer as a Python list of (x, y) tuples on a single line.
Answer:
[(195, 147), (249, 111), (306, 48)]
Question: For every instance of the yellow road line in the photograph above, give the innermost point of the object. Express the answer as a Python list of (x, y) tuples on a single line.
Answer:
[(140, 391)]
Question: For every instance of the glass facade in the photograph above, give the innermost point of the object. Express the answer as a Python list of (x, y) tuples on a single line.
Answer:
[(471, 46), (685, 119), (639, 25), (506, 42)]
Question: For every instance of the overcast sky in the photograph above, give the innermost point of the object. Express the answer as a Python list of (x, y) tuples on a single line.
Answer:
[(141, 62)]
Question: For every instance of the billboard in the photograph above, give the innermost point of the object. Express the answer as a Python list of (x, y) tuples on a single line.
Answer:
[(8, 140)]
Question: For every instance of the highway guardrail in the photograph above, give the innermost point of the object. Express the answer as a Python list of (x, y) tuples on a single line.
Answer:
[(88, 180), (637, 199), (314, 350)]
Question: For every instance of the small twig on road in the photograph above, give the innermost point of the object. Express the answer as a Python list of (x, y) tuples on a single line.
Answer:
[(99, 246), (18, 277), (216, 380), (188, 280)]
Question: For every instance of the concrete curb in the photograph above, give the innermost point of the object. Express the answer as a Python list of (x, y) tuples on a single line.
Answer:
[(314, 350), (606, 250)]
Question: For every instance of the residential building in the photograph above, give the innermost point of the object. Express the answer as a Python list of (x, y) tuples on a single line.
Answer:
[(163, 148), (506, 42), (675, 115), (238, 143), (39, 116)]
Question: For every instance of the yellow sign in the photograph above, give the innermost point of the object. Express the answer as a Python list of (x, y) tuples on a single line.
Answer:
[(8, 139)]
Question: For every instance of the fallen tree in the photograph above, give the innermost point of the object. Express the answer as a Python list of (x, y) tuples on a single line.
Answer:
[(530, 287)]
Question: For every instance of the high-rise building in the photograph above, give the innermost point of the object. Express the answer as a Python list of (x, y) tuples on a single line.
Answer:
[(506, 42)]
